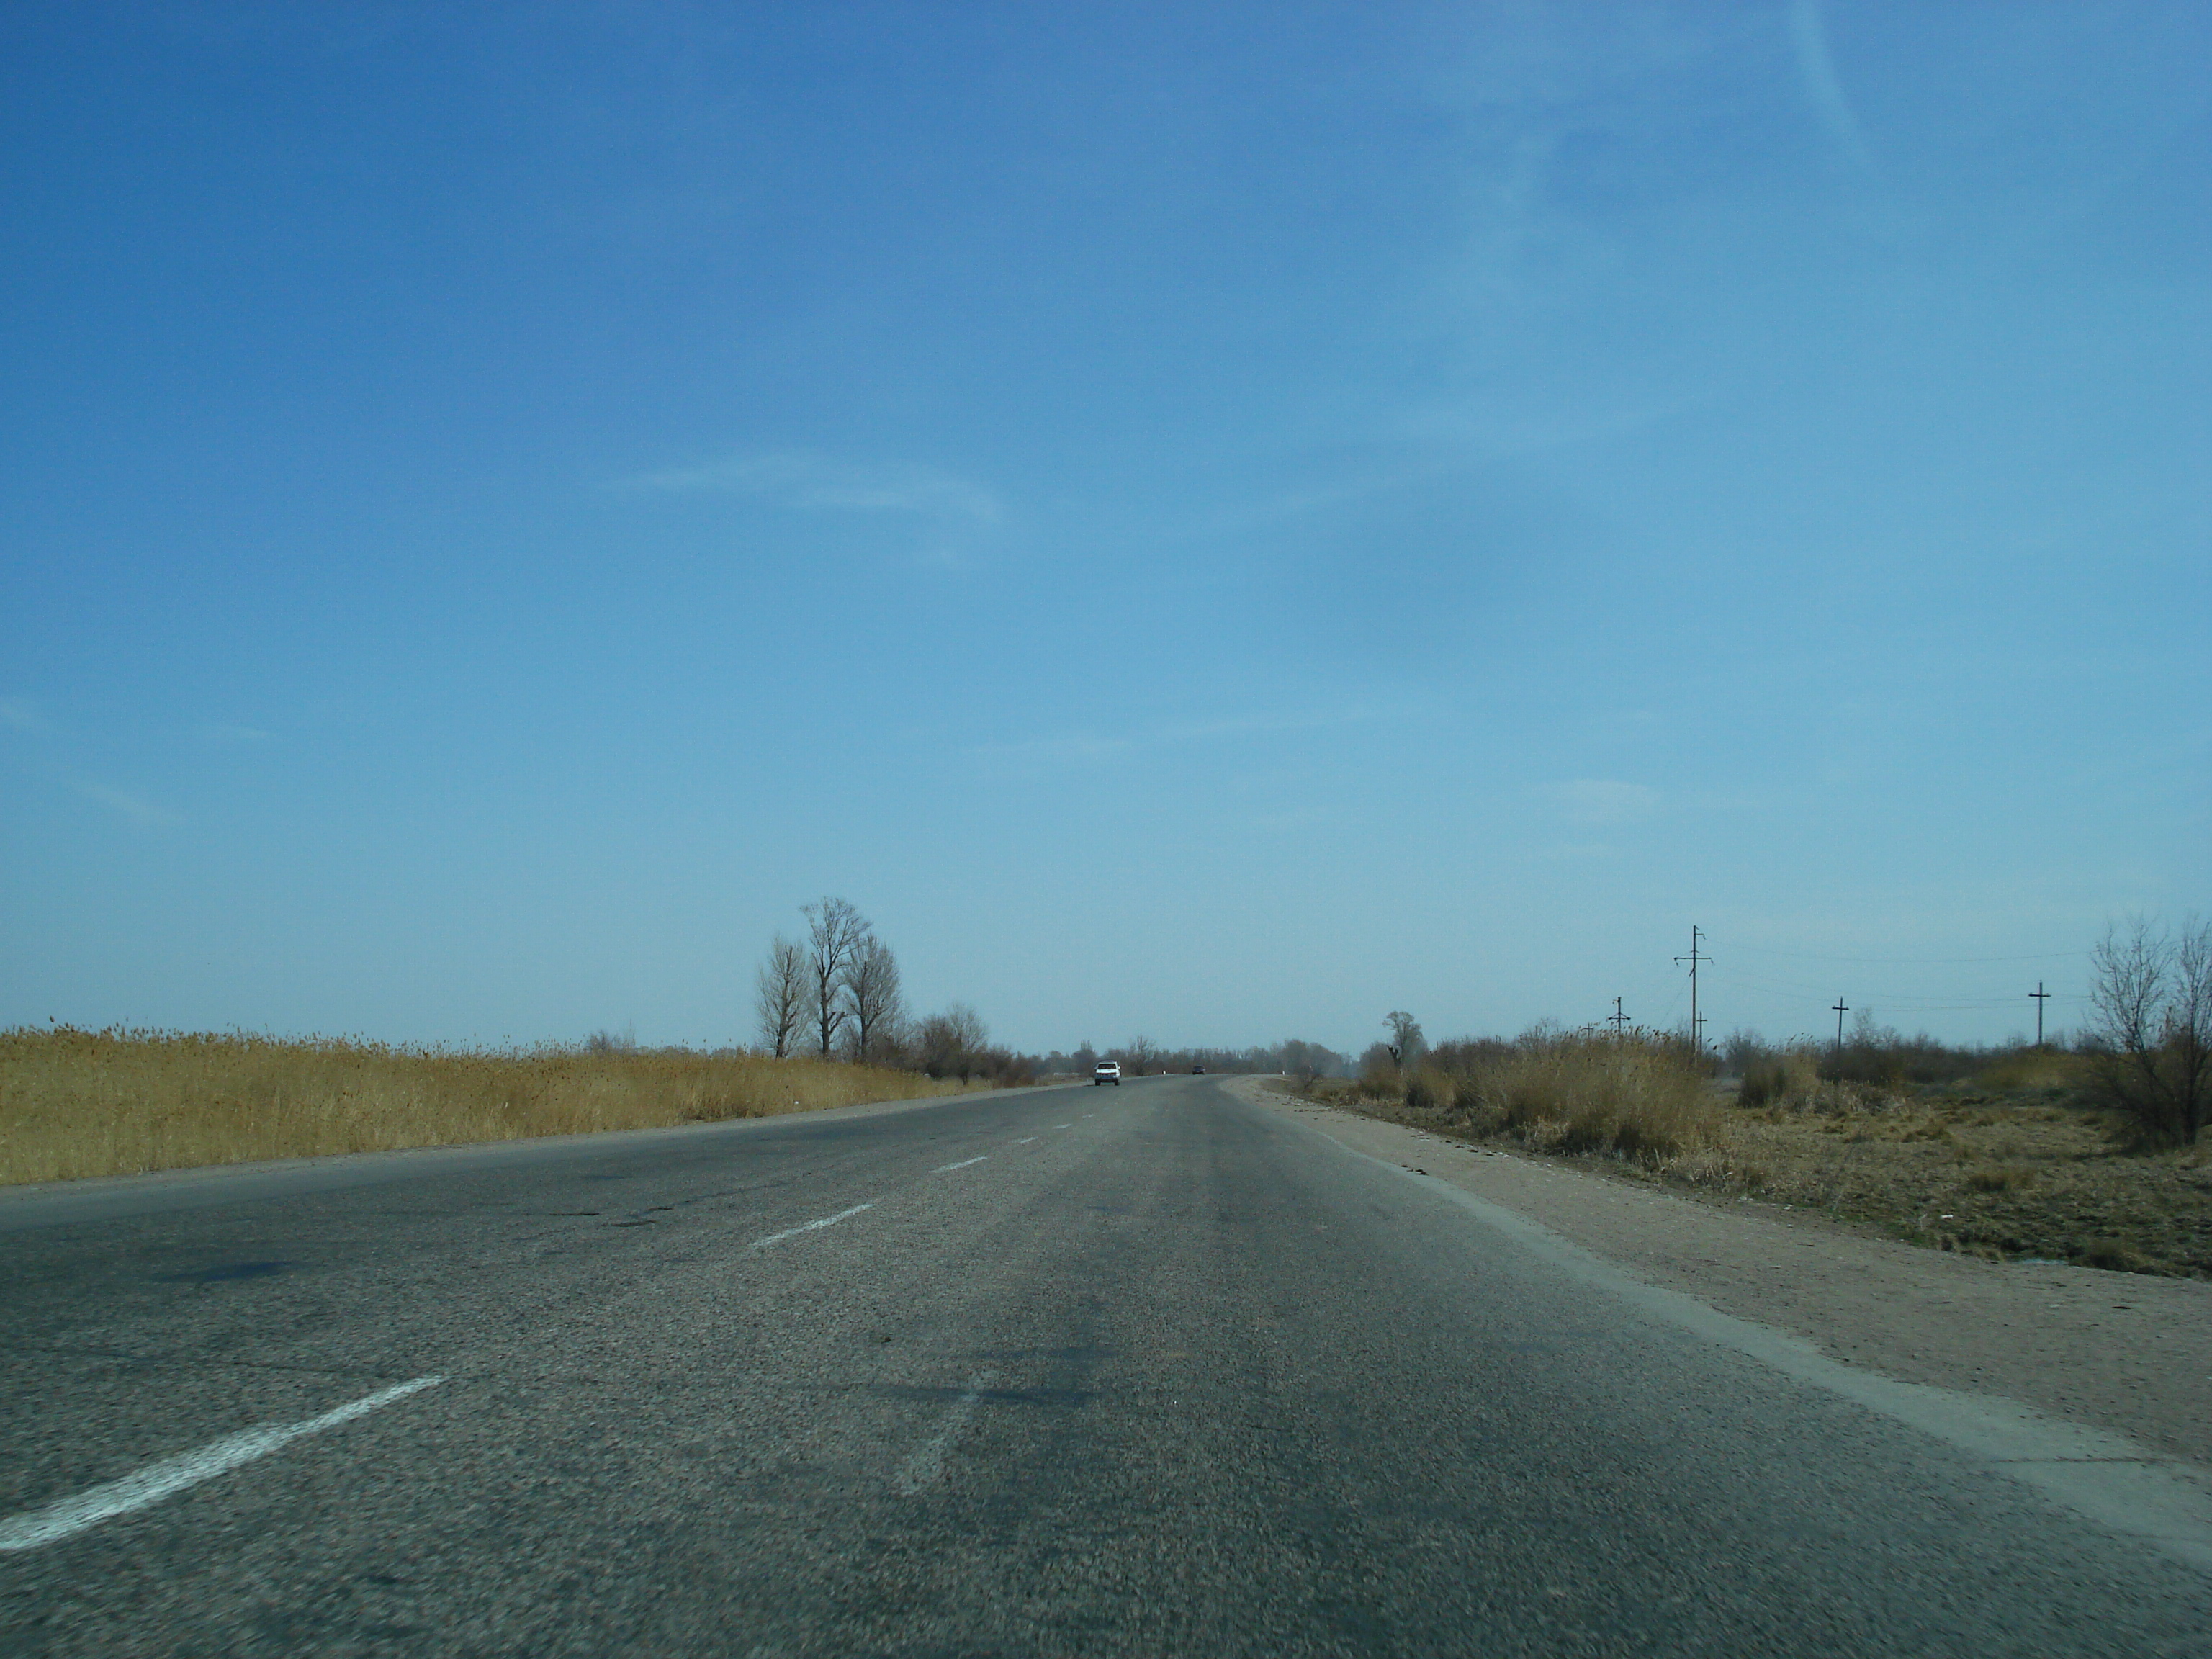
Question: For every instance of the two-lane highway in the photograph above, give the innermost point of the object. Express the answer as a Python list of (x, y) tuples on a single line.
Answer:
[(1143, 1370)]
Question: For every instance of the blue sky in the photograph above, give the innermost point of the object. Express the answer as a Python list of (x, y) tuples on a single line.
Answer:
[(1215, 521)]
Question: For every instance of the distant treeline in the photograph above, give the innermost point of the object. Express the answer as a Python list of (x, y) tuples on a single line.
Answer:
[(1142, 1056)]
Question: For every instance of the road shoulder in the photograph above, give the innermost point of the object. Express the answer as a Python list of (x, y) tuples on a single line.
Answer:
[(2121, 1353)]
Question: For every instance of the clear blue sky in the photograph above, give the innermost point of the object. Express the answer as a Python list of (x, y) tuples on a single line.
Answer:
[(1214, 521)]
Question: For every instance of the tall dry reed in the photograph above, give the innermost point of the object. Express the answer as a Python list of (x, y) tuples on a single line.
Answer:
[(75, 1104), (1638, 1094)]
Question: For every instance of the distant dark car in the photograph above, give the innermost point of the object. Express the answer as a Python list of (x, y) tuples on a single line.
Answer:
[(1198, 1071)]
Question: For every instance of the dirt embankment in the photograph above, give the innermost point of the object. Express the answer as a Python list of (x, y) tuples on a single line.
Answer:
[(2126, 1351)]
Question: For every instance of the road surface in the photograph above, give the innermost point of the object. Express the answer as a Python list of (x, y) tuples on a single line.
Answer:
[(1135, 1370)]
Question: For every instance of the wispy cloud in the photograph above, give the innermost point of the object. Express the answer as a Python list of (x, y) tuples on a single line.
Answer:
[(130, 806), (1580, 850), (1601, 800), (1808, 33), (1074, 750), (801, 478), (1253, 726), (1084, 749), (1295, 817), (21, 714)]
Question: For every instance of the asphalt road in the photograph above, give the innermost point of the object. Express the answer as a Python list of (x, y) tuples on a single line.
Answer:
[(1143, 1370)]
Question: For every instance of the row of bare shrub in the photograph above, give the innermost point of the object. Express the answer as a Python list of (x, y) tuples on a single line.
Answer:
[(1880, 1059), (1634, 1094), (75, 1104), (1804, 1079)]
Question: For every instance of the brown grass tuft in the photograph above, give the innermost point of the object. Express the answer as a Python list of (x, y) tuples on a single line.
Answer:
[(78, 1104), (1586, 1091), (2114, 1255), (1429, 1090), (1789, 1076), (2032, 1069)]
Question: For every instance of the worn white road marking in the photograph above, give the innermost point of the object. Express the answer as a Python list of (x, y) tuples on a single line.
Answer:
[(810, 1226), (1063, 1125), (962, 1165), (928, 1464), (1024, 1140), (70, 1515)]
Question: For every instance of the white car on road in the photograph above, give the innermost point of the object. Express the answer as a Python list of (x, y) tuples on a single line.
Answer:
[(1109, 1071)]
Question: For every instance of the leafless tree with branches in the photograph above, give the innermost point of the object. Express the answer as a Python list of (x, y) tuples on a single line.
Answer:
[(1406, 1039), (2150, 995), (952, 1044), (1303, 1063), (834, 931), (780, 998), (1140, 1053), (872, 996)]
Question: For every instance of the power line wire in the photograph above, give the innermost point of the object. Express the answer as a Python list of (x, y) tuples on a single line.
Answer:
[(1903, 962)]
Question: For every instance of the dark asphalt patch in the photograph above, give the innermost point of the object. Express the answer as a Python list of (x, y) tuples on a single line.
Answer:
[(229, 1271)]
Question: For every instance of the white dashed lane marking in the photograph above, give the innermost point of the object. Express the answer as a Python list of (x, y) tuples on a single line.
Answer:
[(150, 1484), (943, 1168), (813, 1226)]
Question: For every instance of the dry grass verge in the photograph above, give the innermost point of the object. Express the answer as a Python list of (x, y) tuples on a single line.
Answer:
[(2018, 1164), (1631, 1097), (2002, 1175), (77, 1103)]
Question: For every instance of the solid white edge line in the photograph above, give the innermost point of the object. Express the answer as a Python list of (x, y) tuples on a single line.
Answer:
[(70, 1515), (810, 1226), (943, 1168)]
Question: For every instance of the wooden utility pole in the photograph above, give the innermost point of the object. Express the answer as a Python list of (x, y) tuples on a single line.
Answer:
[(1619, 1020), (1696, 1026), (2041, 997), (1840, 1011)]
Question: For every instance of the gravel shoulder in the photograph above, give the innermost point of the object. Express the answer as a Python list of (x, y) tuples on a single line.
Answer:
[(2120, 1352)]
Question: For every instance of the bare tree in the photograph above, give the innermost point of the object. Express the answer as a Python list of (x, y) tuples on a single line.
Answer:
[(2150, 998), (1141, 1052), (872, 996), (1305, 1062), (1406, 1039), (780, 998), (952, 1042), (834, 932)]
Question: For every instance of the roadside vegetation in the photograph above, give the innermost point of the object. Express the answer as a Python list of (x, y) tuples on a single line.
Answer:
[(837, 995), (77, 1103), (1631, 1095), (2091, 1151), (834, 992), (834, 1029)]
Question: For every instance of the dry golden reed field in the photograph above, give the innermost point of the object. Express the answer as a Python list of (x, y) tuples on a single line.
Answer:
[(2016, 1162), (77, 1103)]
